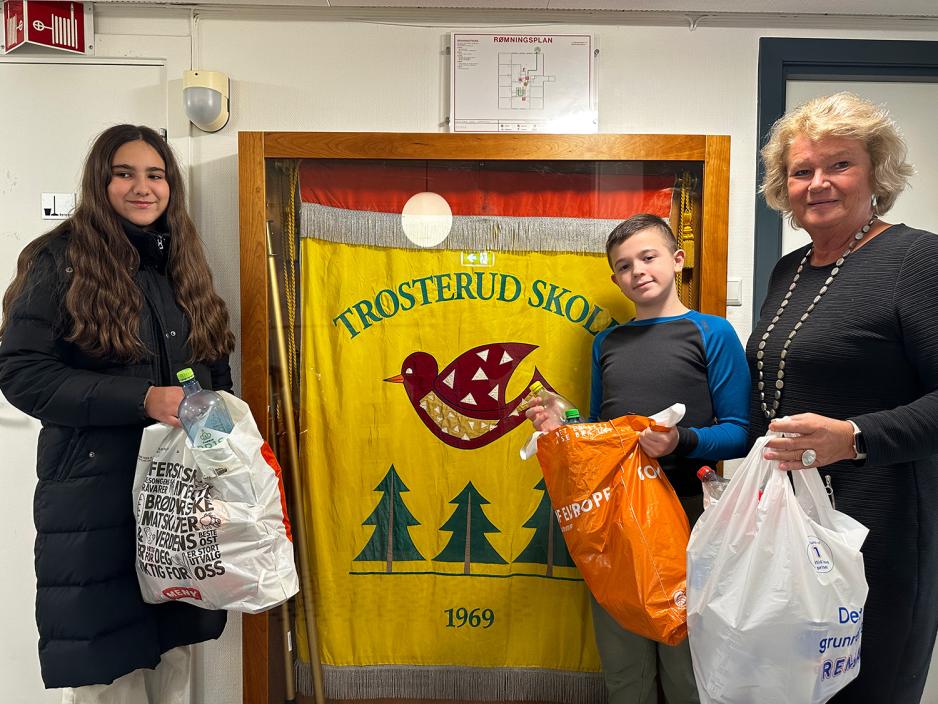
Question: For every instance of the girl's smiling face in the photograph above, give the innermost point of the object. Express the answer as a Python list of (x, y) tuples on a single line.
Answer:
[(138, 190)]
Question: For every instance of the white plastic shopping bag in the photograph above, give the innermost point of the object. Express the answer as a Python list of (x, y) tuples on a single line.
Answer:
[(775, 590), (212, 528)]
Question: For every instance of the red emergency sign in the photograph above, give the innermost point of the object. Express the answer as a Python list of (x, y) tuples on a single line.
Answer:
[(59, 25)]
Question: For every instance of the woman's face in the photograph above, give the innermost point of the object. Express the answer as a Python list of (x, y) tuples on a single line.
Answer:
[(829, 183), (138, 190)]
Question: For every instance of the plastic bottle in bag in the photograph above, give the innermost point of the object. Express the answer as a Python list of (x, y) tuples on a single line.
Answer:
[(572, 416), (202, 412), (530, 398), (554, 404), (713, 485)]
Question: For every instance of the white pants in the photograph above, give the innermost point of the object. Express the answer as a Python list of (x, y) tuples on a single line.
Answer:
[(168, 683)]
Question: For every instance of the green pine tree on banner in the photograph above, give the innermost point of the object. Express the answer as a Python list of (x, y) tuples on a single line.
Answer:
[(391, 540), (469, 526), (547, 546)]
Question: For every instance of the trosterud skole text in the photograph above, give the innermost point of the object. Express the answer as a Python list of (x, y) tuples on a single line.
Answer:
[(499, 287)]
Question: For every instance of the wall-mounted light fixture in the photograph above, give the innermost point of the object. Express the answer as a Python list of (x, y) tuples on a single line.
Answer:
[(426, 219), (205, 94)]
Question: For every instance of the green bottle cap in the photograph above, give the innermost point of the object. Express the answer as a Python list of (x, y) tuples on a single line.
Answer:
[(185, 375), (571, 413)]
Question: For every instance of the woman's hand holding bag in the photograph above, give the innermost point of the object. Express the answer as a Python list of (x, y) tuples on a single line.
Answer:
[(775, 590)]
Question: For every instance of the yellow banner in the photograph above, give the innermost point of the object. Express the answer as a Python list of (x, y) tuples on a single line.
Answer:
[(434, 543)]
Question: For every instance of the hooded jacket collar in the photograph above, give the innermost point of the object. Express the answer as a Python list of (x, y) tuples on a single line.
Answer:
[(153, 245)]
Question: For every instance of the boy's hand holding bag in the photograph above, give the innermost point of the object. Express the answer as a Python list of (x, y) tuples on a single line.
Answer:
[(212, 527), (623, 524), (775, 590)]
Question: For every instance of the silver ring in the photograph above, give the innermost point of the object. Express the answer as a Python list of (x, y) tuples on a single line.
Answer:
[(808, 457)]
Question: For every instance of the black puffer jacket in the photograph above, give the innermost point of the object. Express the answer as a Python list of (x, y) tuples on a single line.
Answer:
[(93, 625)]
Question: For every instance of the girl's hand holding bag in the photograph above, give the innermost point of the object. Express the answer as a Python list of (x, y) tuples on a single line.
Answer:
[(212, 527)]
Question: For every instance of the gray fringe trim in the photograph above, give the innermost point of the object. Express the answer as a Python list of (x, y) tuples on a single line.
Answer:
[(482, 232), (466, 683), (303, 672)]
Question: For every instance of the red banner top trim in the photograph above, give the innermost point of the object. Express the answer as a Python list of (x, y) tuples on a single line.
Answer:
[(502, 189)]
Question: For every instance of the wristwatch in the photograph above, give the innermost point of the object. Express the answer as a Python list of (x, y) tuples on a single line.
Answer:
[(859, 444)]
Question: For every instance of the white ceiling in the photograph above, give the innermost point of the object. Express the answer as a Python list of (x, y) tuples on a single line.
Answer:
[(855, 8), (925, 8)]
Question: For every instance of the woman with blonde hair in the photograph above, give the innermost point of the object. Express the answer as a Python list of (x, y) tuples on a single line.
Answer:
[(102, 312), (845, 358)]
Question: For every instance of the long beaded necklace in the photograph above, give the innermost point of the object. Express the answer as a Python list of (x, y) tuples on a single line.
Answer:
[(760, 353)]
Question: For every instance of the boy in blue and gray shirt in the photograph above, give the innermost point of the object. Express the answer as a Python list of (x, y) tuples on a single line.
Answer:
[(667, 354)]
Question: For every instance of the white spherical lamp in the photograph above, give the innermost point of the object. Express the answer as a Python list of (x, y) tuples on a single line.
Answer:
[(426, 219)]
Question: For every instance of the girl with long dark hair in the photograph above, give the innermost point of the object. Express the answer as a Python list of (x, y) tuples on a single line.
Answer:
[(102, 312)]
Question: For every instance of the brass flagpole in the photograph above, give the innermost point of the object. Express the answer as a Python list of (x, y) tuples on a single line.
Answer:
[(289, 671), (290, 678), (298, 519)]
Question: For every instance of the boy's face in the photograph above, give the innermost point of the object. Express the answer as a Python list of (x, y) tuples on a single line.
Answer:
[(643, 267)]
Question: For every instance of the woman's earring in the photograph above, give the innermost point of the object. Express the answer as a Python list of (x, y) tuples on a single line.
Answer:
[(873, 203)]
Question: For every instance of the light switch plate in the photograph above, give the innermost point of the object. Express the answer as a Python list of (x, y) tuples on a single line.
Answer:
[(734, 292)]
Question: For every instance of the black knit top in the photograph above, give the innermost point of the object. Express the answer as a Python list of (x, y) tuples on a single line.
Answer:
[(869, 352)]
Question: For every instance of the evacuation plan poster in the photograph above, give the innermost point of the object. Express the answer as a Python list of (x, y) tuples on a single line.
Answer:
[(523, 83)]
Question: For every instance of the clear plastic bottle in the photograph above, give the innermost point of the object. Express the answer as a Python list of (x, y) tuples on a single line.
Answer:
[(713, 485), (202, 412), (572, 416), (555, 404), (530, 398)]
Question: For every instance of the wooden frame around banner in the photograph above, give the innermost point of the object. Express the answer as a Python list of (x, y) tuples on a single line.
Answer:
[(261, 639)]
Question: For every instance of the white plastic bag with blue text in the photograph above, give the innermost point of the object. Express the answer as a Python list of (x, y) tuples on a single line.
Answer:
[(775, 590)]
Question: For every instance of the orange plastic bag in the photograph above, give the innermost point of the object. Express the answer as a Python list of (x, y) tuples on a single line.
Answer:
[(624, 526)]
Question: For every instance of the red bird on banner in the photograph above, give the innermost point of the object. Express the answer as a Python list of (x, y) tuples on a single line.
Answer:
[(464, 405)]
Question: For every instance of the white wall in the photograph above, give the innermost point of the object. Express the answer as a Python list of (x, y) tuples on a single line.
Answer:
[(291, 71), (294, 70)]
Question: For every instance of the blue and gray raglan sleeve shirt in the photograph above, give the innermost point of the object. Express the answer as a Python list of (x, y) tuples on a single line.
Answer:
[(644, 366)]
